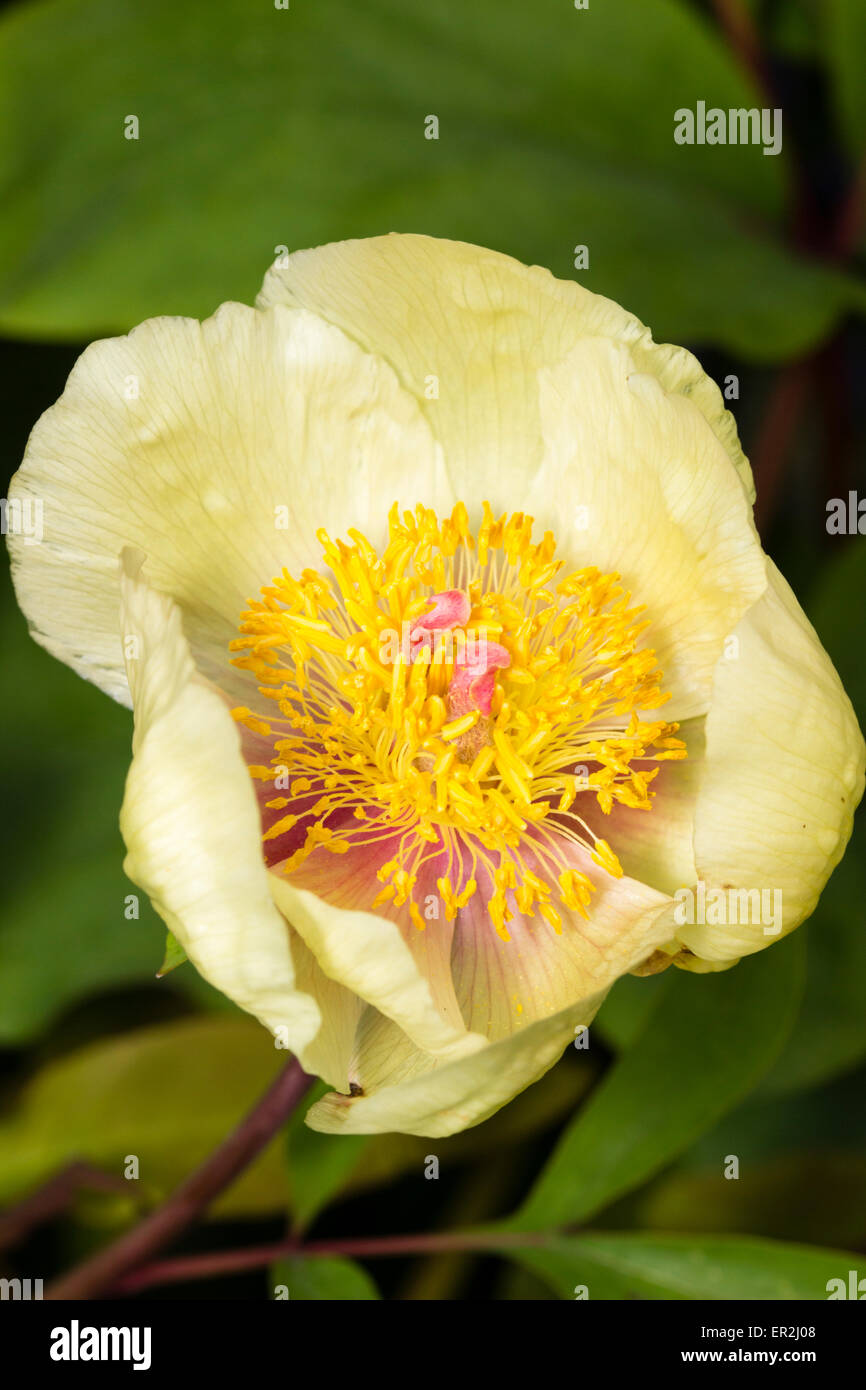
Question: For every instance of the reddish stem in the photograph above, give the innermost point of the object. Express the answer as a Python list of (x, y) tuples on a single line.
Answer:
[(742, 35), (194, 1195), (845, 233), (54, 1197), (188, 1267)]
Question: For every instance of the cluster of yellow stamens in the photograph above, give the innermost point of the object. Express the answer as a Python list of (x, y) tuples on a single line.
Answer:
[(373, 746)]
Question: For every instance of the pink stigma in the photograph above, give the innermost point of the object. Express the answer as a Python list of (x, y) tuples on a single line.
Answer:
[(474, 678), (472, 685), (451, 608)]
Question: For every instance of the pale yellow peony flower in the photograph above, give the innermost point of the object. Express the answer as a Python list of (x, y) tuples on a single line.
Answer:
[(456, 663)]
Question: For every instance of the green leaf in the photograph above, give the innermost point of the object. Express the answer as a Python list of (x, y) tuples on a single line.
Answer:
[(316, 1278), (166, 1095), (621, 1266), (626, 1010), (320, 1166), (705, 1046), (261, 128), (825, 1118), (174, 956)]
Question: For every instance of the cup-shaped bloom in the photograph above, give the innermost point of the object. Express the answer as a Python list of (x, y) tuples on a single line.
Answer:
[(462, 685)]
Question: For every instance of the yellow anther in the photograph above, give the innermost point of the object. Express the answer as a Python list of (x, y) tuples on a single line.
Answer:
[(455, 727), (280, 827), (603, 854)]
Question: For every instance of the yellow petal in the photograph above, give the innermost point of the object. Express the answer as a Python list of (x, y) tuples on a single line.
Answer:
[(783, 774), (408, 1091), (553, 399), (657, 846), (424, 302), (217, 449), (367, 954), (191, 824), (505, 986), (329, 1055)]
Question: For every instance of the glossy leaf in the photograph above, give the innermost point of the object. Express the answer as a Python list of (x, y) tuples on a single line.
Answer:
[(626, 1010), (627, 1265), (255, 128), (707, 1043), (823, 1118)]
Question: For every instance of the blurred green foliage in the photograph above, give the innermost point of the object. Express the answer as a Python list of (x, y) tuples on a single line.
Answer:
[(261, 128), (705, 1044)]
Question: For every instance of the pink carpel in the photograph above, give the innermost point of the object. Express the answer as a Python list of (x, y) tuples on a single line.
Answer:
[(451, 608), (474, 678), (472, 685)]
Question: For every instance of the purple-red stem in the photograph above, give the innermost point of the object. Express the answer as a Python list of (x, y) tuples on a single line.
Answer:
[(188, 1267), (194, 1195), (54, 1197)]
